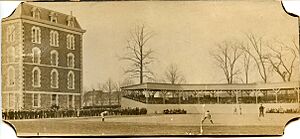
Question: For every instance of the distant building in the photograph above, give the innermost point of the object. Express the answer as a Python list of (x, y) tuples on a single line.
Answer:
[(41, 59), (100, 98)]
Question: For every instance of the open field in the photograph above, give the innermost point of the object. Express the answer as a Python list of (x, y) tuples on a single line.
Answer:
[(225, 124)]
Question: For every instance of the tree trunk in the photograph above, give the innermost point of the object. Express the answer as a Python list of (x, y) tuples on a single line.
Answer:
[(141, 65)]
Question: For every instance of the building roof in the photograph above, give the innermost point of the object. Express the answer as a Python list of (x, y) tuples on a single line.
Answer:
[(24, 11), (211, 87)]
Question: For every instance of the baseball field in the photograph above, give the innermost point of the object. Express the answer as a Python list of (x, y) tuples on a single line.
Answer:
[(155, 125)]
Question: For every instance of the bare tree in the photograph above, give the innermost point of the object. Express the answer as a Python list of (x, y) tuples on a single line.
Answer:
[(226, 56), (109, 87), (173, 75), (138, 54), (246, 66), (296, 46), (256, 51), (126, 82), (281, 63), (119, 92)]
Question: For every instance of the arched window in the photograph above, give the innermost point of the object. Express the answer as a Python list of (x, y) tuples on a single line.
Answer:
[(70, 42), (11, 33), (36, 77), (35, 12), (54, 78), (11, 76), (54, 57), (36, 55), (71, 80), (11, 54), (35, 35), (54, 38), (70, 60)]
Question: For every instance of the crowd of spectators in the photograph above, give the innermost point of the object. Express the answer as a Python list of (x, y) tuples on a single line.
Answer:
[(61, 113), (281, 98), (174, 111), (281, 110)]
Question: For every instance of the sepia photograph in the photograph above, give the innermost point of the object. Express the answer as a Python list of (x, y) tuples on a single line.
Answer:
[(150, 68)]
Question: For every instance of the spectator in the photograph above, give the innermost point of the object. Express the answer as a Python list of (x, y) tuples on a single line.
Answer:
[(261, 111)]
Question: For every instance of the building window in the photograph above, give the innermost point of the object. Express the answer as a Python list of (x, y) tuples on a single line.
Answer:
[(54, 58), (70, 42), (11, 54), (35, 35), (36, 55), (36, 77), (54, 99), (11, 33), (70, 60), (36, 100), (11, 76), (71, 101), (71, 80), (36, 12), (54, 38), (53, 17), (70, 21), (54, 78)]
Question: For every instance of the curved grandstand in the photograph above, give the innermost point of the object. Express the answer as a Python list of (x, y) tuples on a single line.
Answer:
[(156, 95)]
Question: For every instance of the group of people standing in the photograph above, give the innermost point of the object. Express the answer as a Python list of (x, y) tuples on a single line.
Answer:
[(62, 113), (238, 110), (208, 115)]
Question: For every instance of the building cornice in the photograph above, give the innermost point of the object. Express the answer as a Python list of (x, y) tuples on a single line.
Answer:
[(45, 23)]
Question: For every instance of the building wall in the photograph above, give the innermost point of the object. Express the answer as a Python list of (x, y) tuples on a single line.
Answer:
[(18, 51), (12, 100), (62, 101), (20, 96), (45, 100), (28, 101), (45, 65), (77, 101), (11, 95), (46, 80)]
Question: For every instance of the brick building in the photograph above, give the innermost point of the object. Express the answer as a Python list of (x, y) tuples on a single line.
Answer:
[(41, 59)]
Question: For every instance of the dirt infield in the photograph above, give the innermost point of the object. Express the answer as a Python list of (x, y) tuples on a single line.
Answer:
[(188, 124)]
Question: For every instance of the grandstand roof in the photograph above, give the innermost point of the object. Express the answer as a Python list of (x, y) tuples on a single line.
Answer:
[(212, 87)]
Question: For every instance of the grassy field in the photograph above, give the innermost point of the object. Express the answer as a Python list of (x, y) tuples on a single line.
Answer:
[(185, 124)]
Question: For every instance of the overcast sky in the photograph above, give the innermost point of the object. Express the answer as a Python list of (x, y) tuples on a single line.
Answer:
[(185, 33)]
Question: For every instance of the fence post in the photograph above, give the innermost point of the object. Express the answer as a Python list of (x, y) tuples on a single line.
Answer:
[(179, 97), (198, 97), (218, 97), (256, 99), (236, 97), (147, 96), (276, 94)]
